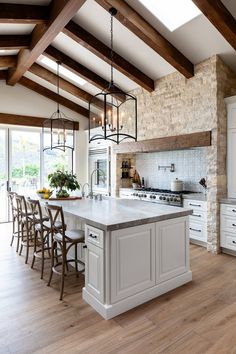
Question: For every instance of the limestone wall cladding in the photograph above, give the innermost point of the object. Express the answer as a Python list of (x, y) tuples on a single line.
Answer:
[(179, 106)]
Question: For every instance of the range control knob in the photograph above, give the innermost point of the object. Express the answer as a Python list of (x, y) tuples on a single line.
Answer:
[(160, 198), (171, 199), (154, 197), (167, 199), (175, 199), (145, 195), (164, 198)]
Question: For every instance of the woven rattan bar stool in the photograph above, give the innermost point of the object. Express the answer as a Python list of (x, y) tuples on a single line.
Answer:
[(63, 240)]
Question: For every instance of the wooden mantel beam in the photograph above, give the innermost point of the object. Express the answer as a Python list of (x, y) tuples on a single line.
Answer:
[(61, 13), (53, 96), (220, 17), (142, 29), (168, 143), (29, 121), (20, 13), (87, 40), (14, 41)]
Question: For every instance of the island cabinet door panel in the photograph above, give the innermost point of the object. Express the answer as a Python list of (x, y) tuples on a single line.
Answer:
[(94, 271), (132, 261), (171, 249)]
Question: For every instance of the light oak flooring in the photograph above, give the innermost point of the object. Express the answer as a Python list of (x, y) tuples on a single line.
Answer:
[(199, 317)]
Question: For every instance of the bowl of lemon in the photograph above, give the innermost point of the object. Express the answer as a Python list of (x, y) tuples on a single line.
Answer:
[(44, 193)]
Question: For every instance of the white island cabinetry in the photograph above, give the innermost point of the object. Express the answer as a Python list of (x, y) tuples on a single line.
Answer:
[(139, 263), (134, 251)]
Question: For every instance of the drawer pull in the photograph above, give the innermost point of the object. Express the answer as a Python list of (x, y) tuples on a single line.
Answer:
[(233, 224), (93, 236), (234, 210), (85, 246), (195, 229), (198, 215), (233, 241), (197, 205)]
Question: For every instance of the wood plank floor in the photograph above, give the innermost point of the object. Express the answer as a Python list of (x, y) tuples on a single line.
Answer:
[(199, 317)]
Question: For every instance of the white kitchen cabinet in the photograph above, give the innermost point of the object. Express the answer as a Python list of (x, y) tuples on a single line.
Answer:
[(171, 244), (231, 146), (132, 261), (197, 221), (94, 262), (228, 226)]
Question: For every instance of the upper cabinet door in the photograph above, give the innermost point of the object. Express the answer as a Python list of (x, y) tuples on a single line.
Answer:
[(231, 168)]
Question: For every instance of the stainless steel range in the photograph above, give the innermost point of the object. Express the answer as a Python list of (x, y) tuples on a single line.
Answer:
[(160, 196)]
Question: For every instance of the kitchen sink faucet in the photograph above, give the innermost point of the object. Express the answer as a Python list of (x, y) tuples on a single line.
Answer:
[(91, 179)]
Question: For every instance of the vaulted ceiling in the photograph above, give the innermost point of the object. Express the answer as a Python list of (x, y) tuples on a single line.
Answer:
[(77, 33)]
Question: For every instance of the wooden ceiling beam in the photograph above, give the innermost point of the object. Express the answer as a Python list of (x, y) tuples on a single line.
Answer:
[(61, 12), (77, 68), (8, 61), (87, 40), (14, 41), (29, 121), (142, 29), (41, 90), (65, 85), (220, 17), (19, 13)]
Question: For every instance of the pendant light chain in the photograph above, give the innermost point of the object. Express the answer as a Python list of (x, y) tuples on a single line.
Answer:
[(58, 84), (112, 54)]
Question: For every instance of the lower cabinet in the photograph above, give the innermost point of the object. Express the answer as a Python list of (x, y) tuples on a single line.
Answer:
[(132, 261), (197, 221), (228, 226), (143, 256), (94, 262)]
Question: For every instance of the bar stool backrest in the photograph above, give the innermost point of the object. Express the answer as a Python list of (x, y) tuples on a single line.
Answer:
[(21, 205), (12, 203), (56, 217), (35, 210)]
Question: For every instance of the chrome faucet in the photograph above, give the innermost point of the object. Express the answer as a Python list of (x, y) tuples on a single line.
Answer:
[(91, 177), (83, 192)]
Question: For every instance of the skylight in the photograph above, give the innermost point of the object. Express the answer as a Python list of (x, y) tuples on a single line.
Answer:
[(63, 71), (172, 13)]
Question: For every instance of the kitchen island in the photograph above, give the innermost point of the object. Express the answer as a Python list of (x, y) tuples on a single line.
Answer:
[(135, 251)]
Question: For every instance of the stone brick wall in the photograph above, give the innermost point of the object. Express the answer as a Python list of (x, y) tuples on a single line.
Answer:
[(179, 106)]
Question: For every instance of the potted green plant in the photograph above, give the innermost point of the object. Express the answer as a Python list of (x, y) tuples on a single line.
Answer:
[(63, 181)]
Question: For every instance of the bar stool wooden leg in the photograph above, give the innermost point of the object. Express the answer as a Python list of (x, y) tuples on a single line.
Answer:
[(76, 260), (63, 270), (35, 248), (52, 262), (42, 261)]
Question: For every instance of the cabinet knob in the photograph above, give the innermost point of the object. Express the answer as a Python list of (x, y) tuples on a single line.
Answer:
[(234, 210), (233, 224), (85, 246), (233, 241)]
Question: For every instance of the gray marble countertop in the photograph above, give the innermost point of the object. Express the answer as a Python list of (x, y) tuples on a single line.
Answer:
[(195, 196), (228, 201), (113, 214)]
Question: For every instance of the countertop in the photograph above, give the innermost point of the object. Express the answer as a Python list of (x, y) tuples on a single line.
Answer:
[(228, 201), (112, 214)]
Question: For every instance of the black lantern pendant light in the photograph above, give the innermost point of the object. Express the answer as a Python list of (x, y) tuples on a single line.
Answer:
[(58, 130), (112, 112)]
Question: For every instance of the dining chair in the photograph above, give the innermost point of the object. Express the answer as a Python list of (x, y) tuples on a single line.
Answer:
[(63, 240)]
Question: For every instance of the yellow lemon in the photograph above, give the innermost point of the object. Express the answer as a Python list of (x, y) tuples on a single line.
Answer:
[(46, 196)]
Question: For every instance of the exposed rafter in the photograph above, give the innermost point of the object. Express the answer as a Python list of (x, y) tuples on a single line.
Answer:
[(53, 96), (76, 67), (65, 85), (8, 61), (98, 48), (61, 13), (30, 121), (14, 41), (220, 17), (141, 28), (19, 13)]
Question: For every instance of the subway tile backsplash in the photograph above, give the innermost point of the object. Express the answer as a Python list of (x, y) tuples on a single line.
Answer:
[(190, 167)]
